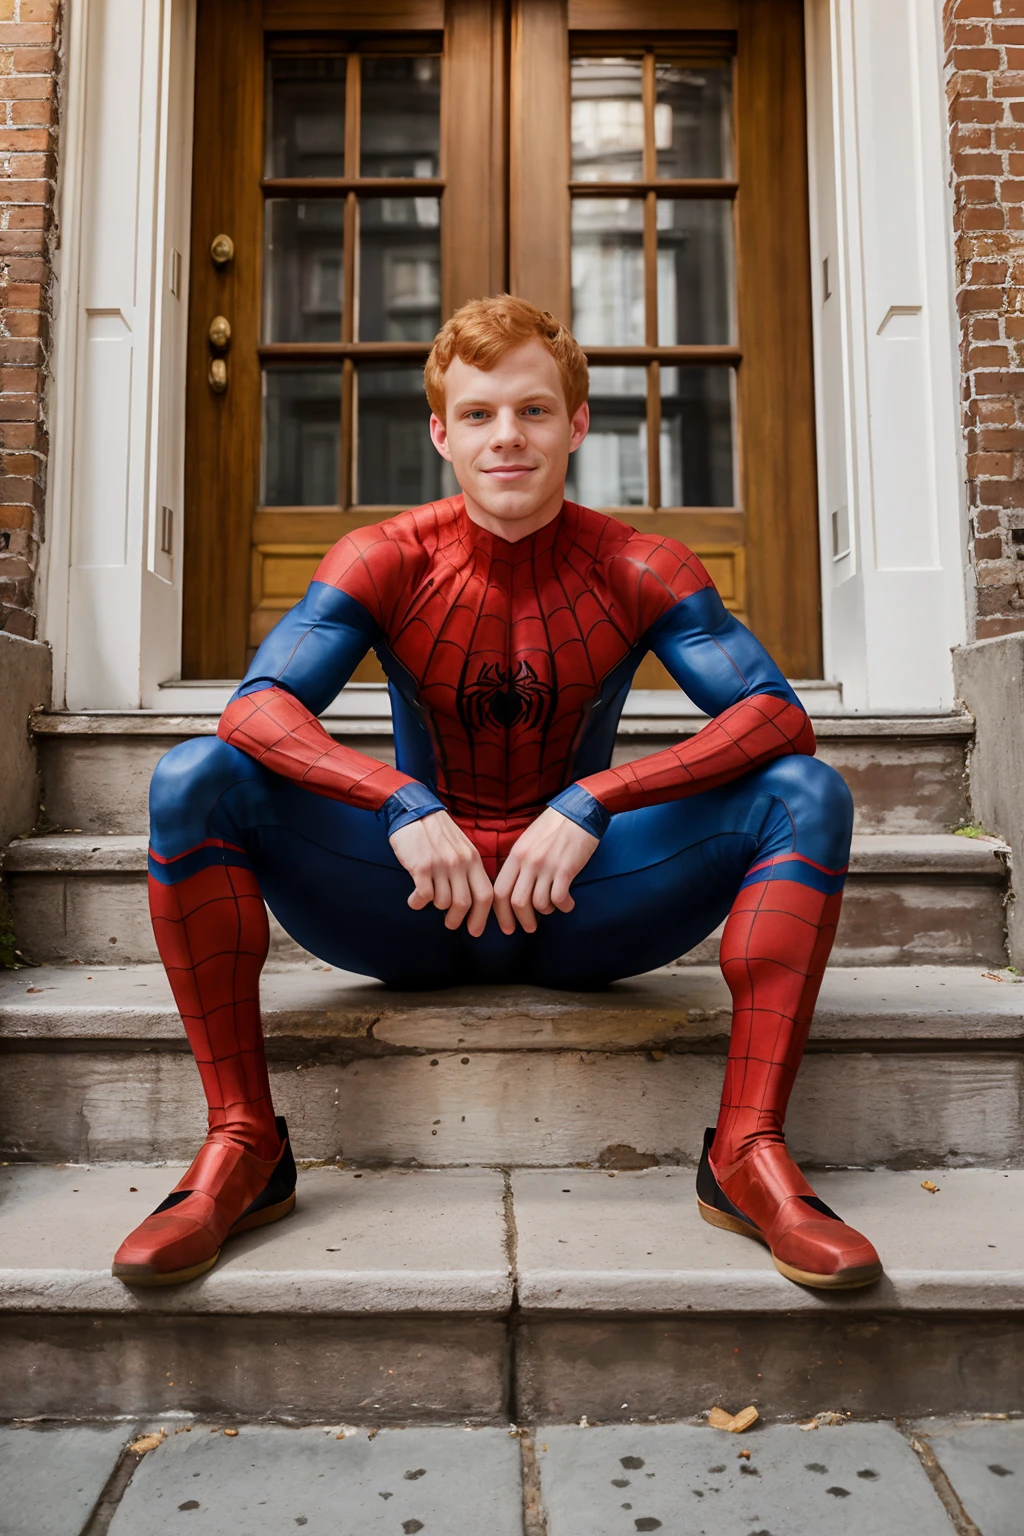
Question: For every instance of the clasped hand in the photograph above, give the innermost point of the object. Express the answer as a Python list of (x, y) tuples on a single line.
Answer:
[(448, 873)]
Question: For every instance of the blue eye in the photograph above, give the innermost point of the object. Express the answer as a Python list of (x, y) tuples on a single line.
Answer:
[(535, 410)]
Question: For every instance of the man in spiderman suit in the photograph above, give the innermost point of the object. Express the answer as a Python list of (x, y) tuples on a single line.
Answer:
[(502, 848)]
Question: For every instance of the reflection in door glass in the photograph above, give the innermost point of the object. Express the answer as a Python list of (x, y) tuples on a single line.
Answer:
[(301, 436), (693, 119), (396, 463), (303, 271), (401, 117), (695, 273), (399, 268), (609, 468), (305, 132), (608, 271), (607, 120), (696, 446)]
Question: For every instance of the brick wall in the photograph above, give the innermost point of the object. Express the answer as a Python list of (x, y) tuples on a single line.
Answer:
[(29, 44), (985, 84)]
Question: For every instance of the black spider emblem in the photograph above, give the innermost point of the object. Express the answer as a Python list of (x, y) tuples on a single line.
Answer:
[(500, 696)]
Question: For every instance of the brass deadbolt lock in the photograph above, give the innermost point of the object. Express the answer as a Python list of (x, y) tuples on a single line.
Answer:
[(218, 375), (222, 250), (219, 333)]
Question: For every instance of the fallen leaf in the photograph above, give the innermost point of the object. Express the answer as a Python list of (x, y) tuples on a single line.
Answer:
[(231, 1432), (146, 1443), (373, 1433), (332, 1250), (734, 1423), (186, 1429), (813, 1424), (743, 1456), (988, 976), (132, 1190), (657, 1055), (927, 1184), (33, 989), (828, 1417)]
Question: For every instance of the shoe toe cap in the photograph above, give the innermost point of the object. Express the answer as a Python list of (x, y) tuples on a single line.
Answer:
[(822, 1246)]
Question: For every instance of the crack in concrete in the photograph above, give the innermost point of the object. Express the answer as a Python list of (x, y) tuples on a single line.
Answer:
[(946, 1493)]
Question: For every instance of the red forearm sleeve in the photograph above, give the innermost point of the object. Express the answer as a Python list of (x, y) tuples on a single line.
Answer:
[(747, 734), (279, 731)]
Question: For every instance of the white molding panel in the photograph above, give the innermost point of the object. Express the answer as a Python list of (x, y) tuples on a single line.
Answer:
[(893, 524)]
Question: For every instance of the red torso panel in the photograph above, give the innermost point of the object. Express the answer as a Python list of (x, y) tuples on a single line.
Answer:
[(505, 646)]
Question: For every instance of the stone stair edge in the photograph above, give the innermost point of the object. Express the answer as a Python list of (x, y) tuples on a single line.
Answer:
[(55, 723), (537, 1241), (674, 1008), (909, 853)]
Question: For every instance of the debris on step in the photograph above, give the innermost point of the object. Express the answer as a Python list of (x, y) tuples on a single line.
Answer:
[(927, 1184), (148, 1442), (734, 1423)]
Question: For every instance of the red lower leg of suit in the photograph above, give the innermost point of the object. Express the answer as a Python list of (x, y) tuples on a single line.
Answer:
[(213, 937), (212, 934), (774, 951)]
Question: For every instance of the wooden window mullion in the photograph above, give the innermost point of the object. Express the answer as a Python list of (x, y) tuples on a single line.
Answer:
[(353, 151)]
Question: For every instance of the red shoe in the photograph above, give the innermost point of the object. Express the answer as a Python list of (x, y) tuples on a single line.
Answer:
[(227, 1190), (767, 1197)]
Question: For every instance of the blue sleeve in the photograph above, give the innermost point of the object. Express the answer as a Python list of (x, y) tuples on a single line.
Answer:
[(712, 656), (313, 651)]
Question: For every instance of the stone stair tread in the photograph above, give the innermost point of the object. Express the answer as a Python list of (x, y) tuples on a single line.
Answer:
[(674, 1004), (378, 1241), (911, 853), (148, 722), (439, 1242)]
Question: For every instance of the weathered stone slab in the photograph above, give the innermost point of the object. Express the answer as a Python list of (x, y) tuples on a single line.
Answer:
[(861, 1480), (984, 1461), (527, 1108), (376, 1242), (594, 1243), (52, 1477), (268, 1480)]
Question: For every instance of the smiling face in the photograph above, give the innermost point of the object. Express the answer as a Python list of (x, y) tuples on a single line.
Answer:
[(508, 436)]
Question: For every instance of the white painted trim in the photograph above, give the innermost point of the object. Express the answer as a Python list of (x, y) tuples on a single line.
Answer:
[(886, 369)]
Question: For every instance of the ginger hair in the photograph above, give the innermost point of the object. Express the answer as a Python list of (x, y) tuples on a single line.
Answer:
[(482, 331)]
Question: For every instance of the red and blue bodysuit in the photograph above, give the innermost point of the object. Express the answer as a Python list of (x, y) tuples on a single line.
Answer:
[(508, 665)]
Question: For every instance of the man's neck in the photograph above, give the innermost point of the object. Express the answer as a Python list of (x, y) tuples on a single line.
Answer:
[(514, 529)]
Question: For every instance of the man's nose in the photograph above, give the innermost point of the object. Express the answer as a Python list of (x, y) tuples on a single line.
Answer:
[(508, 429)]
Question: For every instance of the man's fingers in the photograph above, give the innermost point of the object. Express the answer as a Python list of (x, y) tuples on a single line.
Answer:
[(483, 896), (461, 900), (442, 892), (522, 901), (542, 892), (503, 888), (560, 897), (423, 894)]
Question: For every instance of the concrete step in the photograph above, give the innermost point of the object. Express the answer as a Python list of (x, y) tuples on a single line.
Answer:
[(905, 1065), (477, 1295), (910, 899), (907, 773)]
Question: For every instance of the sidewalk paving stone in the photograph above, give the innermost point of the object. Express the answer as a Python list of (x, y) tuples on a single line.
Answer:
[(984, 1461), (268, 1481), (51, 1478), (617, 1480)]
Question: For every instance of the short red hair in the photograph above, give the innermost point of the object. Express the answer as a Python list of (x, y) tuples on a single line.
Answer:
[(482, 331)]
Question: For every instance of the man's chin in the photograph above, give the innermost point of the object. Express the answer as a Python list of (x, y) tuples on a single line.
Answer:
[(513, 503)]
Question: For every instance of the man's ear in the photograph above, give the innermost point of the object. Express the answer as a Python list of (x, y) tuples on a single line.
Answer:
[(439, 437), (579, 426)]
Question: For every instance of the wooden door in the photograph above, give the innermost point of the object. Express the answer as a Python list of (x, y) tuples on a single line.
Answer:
[(638, 167)]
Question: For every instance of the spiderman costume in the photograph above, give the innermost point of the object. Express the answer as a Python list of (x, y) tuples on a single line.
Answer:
[(508, 665)]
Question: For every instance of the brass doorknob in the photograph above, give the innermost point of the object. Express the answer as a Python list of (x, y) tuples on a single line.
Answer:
[(222, 250), (219, 333), (218, 375)]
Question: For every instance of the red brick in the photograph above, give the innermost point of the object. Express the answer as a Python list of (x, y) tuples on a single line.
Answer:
[(21, 296), (1011, 191), (989, 548), (986, 520), (17, 517), (998, 439), (26, 191), (26, 88), (1002, 493), (986, 60), (983, 328), (15, 34), (974, 86), (26, 140), (22, 242), (965, 10), (31, 167), (999, 412), (969, 299), (28, 269), (989, 464), (967, 163), (46, 10), (23, 434), (18, 622), (989, 357), (968, 109), (990, 629), (34, 113), (976, 190), (994, 600)]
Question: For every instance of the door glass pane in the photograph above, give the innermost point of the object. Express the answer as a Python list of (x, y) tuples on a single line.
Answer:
[(609, 468), (301, 436), (695, 273), (401, 117), (696, 446), (608, 271), (607, 120), (305, 133), (396, 463), (303, 276), (399, 268), (693, 120)]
